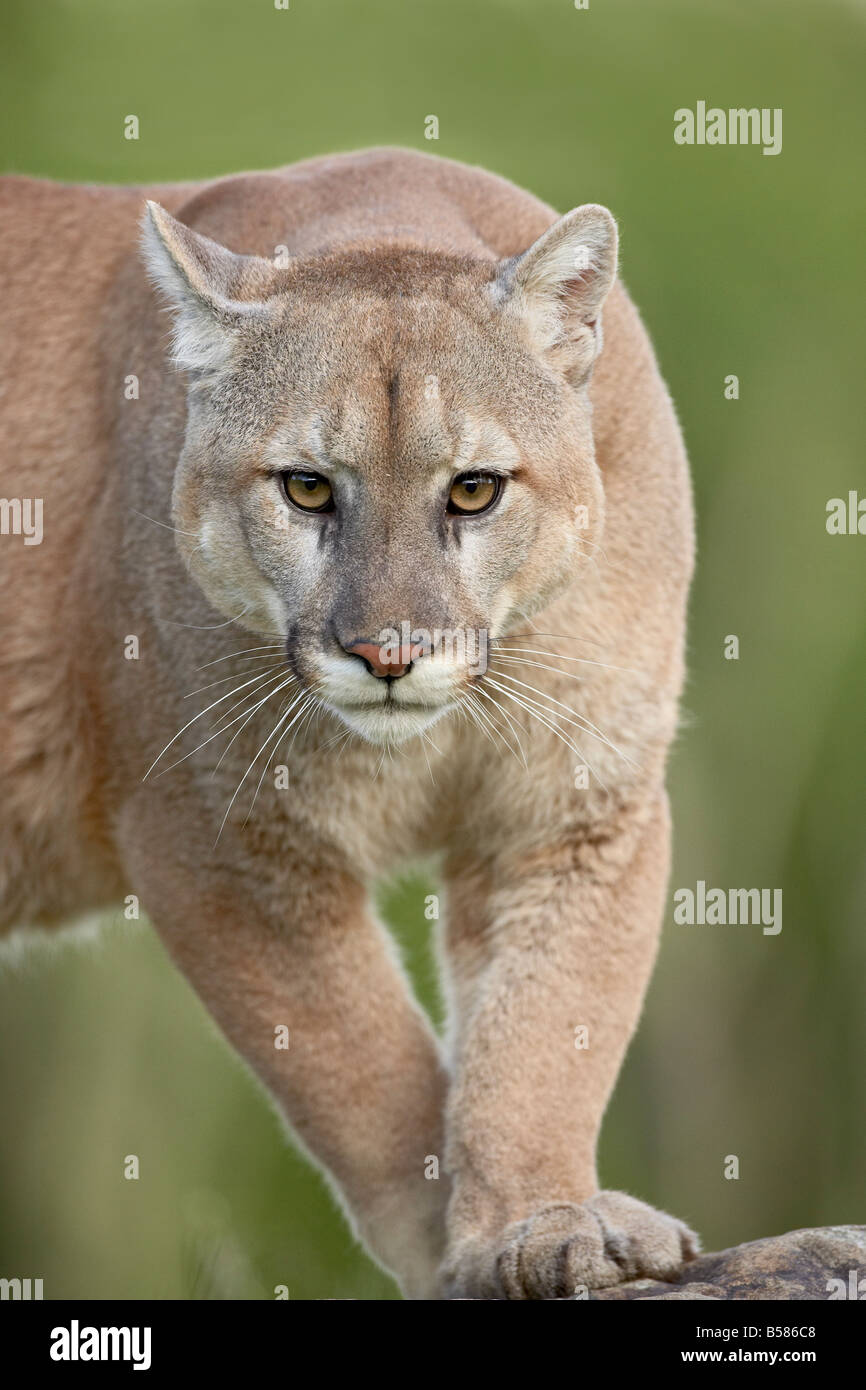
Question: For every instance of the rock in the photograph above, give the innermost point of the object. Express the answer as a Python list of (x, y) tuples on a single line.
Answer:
[(799, 1265)]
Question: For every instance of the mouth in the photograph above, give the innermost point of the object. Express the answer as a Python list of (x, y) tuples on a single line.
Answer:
[(387, 706), (388, 721)]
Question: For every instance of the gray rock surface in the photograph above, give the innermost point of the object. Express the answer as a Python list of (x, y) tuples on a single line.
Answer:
[(799, 1265)]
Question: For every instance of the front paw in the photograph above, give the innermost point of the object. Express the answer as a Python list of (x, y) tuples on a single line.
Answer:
[(564, 1247)]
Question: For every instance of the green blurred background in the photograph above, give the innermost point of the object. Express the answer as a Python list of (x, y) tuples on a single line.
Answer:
[(751, 1045)]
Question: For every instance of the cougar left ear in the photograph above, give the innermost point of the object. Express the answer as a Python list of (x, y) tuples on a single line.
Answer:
[(557, 288), (212, 290)]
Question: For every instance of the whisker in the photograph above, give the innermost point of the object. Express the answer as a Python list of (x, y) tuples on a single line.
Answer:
[(584, 660), (547, 723), (221, 729), (339, 737), (558, 636), (488, 719), (164, 524), (200, 715), (274, 731), (249, 715), (522, 661), (264, 680), (433, 745), (504, 712), (268, 762), (343, 739), (312, 710), (482, 720), (427, 757), (268, 647), (344, 731), (579, 720), (210, 627), (263, 663), (474, 714)]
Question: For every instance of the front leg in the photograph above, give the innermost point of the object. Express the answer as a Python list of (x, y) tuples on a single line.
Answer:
[(362, 1081), (567, 941)]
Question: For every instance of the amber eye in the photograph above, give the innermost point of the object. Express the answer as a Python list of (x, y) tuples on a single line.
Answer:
[(309, 491), (473, 492)]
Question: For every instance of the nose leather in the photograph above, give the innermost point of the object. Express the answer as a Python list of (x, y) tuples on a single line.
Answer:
[(380, 665)]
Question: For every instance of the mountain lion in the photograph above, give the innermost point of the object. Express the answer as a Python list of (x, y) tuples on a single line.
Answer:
[(357, 550)]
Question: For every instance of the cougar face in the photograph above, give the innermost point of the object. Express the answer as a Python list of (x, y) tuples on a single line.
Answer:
[(388, 458)]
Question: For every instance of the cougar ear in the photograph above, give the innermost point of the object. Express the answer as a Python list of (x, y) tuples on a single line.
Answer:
[(557, 287), (212, 290)]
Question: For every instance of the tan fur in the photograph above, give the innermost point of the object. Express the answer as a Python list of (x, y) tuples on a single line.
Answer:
[(404, 270)]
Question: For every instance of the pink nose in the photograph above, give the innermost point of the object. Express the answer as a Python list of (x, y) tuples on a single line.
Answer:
[(385, 661)]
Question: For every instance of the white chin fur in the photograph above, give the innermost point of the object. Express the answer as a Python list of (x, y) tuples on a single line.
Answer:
[(393, 725)]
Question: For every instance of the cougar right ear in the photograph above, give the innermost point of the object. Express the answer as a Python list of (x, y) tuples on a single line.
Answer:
[(212, 290), (557, 287)]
